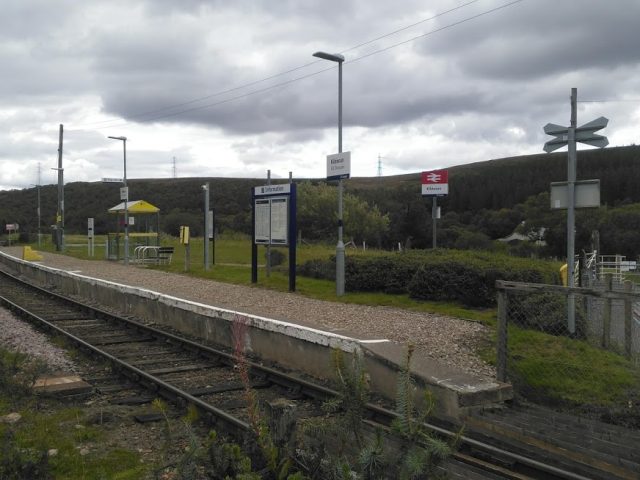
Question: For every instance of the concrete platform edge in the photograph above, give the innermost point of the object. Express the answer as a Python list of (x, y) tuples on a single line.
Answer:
[(289, 345)]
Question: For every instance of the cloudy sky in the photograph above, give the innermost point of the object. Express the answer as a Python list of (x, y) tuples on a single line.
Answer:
[(230, 88)]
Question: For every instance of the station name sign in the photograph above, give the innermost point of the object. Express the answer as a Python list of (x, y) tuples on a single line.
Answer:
[(339, 166), (435, 183)]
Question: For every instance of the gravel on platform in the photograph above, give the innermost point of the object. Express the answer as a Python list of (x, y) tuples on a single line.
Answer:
[(450, 340)]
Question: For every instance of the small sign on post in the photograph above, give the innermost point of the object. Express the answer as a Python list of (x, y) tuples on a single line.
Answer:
[(339, 166), (586, 192), (435, 183), (184, 240)]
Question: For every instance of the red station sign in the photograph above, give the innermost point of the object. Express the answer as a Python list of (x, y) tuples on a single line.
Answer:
[(435, 183)]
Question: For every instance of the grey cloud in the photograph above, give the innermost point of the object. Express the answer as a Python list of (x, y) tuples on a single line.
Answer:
[(536, 39)]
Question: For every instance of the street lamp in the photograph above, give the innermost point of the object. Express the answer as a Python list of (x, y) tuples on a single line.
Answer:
[(339, 59), (126, 198)]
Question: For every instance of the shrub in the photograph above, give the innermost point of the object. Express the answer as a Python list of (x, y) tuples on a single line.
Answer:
[(317, 268), (465, 276), (389, 274), (471, 280), (277, 257)]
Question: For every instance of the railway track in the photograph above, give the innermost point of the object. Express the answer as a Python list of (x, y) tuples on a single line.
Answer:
[(503, 443)]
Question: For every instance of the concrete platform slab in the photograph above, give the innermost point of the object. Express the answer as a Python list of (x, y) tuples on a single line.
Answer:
[(61, 385)]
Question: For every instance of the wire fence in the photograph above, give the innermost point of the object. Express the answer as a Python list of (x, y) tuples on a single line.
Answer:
[(583, 342)]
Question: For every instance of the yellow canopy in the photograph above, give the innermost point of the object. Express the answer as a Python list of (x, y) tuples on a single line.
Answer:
[(135, 206)]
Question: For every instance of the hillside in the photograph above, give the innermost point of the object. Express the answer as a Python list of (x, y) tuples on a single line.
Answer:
[(476, 190)]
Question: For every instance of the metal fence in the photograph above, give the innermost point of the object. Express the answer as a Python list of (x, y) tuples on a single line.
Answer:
[(538, 352)]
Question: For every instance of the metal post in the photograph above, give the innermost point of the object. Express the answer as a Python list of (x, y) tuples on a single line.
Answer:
[(60, 216), (434, 218), (126, 205), (628, 319), (126, 200), (39, 214), (213, 236), (571, 179), (268, 262), (205, 187), (502, 348), (606, 318), (340, 247)]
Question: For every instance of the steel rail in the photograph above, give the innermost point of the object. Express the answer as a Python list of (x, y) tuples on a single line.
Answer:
[(134, 371)]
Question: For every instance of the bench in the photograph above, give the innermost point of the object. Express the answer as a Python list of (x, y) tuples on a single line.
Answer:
[(164, 255)]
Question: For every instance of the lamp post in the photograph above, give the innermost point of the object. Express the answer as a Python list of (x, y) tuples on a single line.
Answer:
[(339, 59), (126, 199)]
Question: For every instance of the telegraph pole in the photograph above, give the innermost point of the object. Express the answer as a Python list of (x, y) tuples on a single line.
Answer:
[(60, 215)]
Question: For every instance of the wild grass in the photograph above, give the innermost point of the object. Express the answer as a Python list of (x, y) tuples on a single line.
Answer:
[(25, 445)]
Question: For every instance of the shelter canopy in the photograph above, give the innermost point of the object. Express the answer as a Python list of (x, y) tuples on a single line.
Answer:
[(135, 206)]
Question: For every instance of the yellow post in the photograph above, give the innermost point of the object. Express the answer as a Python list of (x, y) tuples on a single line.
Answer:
[(563, 275), (30, 255)]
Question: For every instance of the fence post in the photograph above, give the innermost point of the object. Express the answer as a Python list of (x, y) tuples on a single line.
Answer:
[(606, 320), (502, 336), (628, 318)]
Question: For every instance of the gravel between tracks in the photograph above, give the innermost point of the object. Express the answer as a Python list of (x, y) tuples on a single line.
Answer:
[(452, 341)]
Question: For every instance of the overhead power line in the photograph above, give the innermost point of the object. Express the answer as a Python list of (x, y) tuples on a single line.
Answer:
[(285, 72), (302, 77), (612, 100)]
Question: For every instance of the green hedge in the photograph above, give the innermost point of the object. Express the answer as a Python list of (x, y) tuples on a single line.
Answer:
[(465, 276)]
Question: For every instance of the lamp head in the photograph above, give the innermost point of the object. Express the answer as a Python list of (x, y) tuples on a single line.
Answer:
[(124, 139), (332, 57)]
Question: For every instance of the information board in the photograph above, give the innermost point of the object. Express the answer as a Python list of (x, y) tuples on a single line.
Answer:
[(274, 224), (279, 220), (272, 221), (263, 220)]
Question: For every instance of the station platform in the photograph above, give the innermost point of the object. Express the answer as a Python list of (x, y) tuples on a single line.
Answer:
[(284, 329)]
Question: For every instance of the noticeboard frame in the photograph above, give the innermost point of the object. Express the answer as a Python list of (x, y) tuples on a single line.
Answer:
[(263, 218)]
